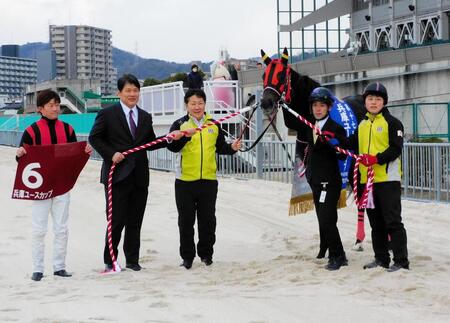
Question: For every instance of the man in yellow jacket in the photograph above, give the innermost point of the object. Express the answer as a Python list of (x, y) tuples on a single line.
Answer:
[(196, 182), (379, 139)]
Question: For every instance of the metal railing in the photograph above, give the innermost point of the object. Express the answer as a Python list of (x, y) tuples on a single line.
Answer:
[(163, 99), (426, 166), (426, 171), (424, 120)]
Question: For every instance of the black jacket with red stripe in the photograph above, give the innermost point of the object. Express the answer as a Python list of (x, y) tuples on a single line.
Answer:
[(48, 132)]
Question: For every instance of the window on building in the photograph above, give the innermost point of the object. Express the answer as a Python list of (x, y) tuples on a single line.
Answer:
[(405, 34), (383, 37), (429, 29)]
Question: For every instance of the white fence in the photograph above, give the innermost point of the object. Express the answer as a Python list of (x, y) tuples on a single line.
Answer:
[(166, 103), (163, 99)]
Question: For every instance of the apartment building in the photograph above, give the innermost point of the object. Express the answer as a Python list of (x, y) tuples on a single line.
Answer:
[(84, 52)]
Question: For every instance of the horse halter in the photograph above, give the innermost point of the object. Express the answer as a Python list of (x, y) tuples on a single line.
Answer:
[(277, 77)]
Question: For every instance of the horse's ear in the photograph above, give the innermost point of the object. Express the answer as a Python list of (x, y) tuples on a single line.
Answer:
[(285, 56), (265, 58)]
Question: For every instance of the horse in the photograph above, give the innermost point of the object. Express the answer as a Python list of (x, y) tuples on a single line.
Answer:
[(283, 85)]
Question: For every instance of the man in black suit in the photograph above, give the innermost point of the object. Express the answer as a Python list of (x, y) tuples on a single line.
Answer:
[(117, 129), (324, 177)]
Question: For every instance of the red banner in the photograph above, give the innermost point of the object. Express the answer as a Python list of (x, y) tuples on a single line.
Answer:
[(48, 171)]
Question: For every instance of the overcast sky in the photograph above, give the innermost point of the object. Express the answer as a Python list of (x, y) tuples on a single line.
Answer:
[(173, 30)]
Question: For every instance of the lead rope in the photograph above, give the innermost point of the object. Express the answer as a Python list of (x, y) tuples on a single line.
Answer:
[(116, 266), (261, 135), (362, 202)]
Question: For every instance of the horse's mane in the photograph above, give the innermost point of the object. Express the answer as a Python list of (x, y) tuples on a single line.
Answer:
[(356, 102), (303, 85), (301, 88)]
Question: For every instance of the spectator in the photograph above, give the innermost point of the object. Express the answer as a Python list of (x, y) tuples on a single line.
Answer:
[(194, 79)]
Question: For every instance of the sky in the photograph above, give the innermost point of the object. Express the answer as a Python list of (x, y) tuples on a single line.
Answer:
[(179, 31)]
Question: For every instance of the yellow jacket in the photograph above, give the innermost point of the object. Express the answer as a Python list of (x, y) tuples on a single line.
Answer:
[(196, 157), (381, 135)]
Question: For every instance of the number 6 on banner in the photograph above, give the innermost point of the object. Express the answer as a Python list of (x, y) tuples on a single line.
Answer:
[(29, 172)]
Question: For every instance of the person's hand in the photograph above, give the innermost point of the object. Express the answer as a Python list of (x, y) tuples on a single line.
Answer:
[(176, 134), (20, 152), (326, 136), (368, 160), (189, 132), (88, 149), (333, 142), (236, 145), (117, 157)]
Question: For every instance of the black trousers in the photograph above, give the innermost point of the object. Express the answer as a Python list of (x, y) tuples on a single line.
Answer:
[(197, 198), (129, 201), (386, 220), (327, 217)]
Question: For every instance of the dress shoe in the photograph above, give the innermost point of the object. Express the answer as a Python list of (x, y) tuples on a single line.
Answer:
[(374, 264), (62, 273), (37, 276), (207, 261), (335, 263), (186, 263), (396, 267), (135, 267)]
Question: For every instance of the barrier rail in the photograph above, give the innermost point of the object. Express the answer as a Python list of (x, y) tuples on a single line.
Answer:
[(426, 167), (424, 120)]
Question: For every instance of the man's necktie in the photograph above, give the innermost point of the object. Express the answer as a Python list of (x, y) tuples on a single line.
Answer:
[(132, 125)]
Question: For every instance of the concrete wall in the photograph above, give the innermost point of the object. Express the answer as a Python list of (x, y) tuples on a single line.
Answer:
[(381, 14), (401, 9), (423, 82), (403, 83), (428, 6)]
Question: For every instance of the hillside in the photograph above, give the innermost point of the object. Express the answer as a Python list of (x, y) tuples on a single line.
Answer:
[(127, 62)]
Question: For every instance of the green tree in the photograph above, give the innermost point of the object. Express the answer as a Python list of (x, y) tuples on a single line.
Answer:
[(151, 81), (176, 77)]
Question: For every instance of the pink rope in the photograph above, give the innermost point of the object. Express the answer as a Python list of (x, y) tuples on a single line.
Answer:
[(116, 267), (362, 202)]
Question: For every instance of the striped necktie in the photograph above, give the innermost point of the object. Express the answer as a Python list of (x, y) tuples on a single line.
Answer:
[(132, 125)]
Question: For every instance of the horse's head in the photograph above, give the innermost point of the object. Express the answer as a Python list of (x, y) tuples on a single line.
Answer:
[(276, 81)]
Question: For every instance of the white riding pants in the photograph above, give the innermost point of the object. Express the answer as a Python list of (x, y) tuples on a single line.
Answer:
[(59, 209)]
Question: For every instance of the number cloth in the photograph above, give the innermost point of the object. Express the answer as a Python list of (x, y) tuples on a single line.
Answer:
[(48, 171)]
